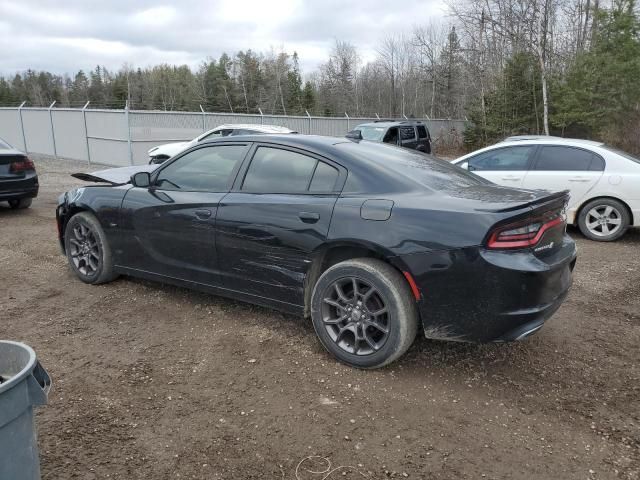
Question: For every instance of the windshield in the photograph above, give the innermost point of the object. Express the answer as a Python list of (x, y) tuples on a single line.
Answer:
[(626, 155), (371, 133), (4, 145)]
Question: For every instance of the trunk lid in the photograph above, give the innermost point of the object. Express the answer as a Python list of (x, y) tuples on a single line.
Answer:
[(6, 159)]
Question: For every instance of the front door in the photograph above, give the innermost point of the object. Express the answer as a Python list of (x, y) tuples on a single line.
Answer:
[(277, 215), (505, 166), (169, 228)]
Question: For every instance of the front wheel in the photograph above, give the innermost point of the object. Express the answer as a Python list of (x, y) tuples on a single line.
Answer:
[(364, 313), (87, 249), (604, 220)]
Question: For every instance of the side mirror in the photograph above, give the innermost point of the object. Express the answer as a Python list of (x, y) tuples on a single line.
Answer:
[(141, 179), (354, 135)]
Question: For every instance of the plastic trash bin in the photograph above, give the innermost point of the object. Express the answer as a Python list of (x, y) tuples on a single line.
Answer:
[(23, 385)]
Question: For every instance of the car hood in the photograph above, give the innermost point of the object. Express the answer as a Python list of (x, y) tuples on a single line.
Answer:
[(114, 176)]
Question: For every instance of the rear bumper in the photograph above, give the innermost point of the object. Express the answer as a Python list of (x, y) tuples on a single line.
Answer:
[(21, 188), (478, 295)]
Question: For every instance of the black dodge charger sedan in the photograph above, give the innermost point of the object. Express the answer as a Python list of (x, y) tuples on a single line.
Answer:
[(368, 240)]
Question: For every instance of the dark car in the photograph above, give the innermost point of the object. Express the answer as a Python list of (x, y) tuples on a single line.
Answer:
[(412, 134), (366, 239), (18, 178)]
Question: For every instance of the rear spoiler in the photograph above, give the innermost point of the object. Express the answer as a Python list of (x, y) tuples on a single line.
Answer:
[(558, 199)]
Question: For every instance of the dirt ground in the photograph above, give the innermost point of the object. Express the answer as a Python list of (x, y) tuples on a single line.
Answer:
[(156, 382)]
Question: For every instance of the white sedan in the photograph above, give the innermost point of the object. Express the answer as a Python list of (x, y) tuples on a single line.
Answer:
[(604, 182), (163, 152)]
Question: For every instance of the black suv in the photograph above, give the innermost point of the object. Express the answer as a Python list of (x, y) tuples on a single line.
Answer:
[(411, 134)]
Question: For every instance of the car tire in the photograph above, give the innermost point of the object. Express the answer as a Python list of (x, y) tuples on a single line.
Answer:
[(20, 203), (604, 220), (357, 333), (87, 249)]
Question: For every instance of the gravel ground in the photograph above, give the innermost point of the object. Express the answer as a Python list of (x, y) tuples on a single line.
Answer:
[(156, 382)]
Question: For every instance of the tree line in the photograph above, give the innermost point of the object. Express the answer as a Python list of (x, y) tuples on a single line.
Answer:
[(563, 67)]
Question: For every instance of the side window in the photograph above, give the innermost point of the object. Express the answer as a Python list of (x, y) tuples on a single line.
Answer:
[(407, 133), (206, 169), (324, 178), (243, 131), (503, 159), (556, 158), (215, 134), (391, 136), (422, 131), (274, 170)]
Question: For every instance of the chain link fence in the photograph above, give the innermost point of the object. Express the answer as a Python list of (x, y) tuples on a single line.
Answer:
[(123, 137)]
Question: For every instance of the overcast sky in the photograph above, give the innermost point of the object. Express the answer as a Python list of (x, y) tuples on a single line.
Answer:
[(64, 36)]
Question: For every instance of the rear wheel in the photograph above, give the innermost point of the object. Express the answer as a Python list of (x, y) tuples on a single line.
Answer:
[(20, 204), (87, 249), (604, 220), (364, 313)]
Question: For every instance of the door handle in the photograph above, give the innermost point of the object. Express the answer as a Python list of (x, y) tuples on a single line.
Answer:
[(578, 179), (203, 214), (309, 217), (512, 178)]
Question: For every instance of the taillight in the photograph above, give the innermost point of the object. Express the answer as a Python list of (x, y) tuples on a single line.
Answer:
[(525, 234), (21, 166)]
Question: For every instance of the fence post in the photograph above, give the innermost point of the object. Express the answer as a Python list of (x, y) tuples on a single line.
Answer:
[(203, 119), (348, 121), (24, 138), (309, 125), (261, 116), (53, 130), (86, 132), (126, 114)]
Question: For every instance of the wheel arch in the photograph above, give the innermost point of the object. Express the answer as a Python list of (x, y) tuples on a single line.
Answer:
[(68, 212), (330, 253), (603, 197)]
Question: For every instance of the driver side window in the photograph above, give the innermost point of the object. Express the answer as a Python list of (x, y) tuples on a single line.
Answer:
[(206, 169), (503, 159)]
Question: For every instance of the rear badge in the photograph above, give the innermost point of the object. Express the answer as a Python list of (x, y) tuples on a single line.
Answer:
[(544, 247)]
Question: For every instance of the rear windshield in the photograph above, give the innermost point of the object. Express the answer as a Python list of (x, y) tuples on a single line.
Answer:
[(626, 155), (428, 171), (372, 133)]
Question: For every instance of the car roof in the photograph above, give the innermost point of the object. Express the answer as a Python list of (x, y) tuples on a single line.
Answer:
[(256, 127), (550, 139), (391, 123), (303, 141)]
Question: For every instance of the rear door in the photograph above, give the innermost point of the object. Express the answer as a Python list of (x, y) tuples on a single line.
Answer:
[(424, 141), (559, 167), (277, 214), (505, 165), (169, 228), (408, 138)]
